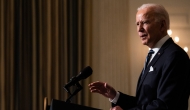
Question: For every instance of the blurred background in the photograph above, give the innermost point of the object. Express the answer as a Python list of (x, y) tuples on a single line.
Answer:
[(43, 43)]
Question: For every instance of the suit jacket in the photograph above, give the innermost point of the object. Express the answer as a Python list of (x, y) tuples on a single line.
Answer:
[(166, 86)]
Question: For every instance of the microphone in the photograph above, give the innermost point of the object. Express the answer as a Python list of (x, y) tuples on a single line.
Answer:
[(86, 72)]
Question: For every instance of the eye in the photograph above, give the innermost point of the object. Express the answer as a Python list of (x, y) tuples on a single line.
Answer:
[(145, 22)]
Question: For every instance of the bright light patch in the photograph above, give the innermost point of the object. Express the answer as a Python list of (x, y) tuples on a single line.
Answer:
[(169, 32), (186, 49), (176, 39)]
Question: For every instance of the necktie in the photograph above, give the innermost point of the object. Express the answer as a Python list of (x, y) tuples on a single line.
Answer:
[(147, 59)]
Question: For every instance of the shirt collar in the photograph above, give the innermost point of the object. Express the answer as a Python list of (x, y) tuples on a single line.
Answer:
[(159, 44)]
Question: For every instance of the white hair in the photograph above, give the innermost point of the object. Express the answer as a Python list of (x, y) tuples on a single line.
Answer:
[(160, 11)]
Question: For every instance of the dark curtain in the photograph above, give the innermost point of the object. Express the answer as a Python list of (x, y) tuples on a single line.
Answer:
[(43, 44)]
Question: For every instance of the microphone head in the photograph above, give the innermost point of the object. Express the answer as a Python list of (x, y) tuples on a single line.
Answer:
[(86, 72)]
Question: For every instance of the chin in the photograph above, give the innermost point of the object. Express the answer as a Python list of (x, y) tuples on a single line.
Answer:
[(144, 42)]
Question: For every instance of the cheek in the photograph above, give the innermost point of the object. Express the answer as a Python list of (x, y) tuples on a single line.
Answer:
[(150, 31), (153, 29), (147, 28)]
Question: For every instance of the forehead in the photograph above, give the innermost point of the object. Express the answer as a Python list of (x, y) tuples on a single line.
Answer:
[(146, 13)]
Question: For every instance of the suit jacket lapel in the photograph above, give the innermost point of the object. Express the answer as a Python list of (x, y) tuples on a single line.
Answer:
[(154, 60)]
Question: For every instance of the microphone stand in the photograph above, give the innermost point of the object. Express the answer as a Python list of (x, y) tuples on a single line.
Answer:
[(79, 87)]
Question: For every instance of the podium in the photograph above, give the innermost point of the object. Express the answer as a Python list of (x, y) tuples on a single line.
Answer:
[(61, 105)]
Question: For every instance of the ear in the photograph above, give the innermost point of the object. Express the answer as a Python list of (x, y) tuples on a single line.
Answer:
[(163, 26)]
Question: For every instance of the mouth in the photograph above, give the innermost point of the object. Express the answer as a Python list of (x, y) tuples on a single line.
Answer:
[(143, 36)]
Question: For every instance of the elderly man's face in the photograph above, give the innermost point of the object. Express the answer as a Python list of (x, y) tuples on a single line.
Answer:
[(148, 29)]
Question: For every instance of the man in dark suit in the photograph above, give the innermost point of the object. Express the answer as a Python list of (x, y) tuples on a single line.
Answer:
[(164, 83)]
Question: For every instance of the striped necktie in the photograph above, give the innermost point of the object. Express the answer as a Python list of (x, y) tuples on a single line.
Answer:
[(147, 59)]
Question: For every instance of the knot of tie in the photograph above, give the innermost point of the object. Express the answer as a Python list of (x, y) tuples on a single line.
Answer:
[(150, 52)]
